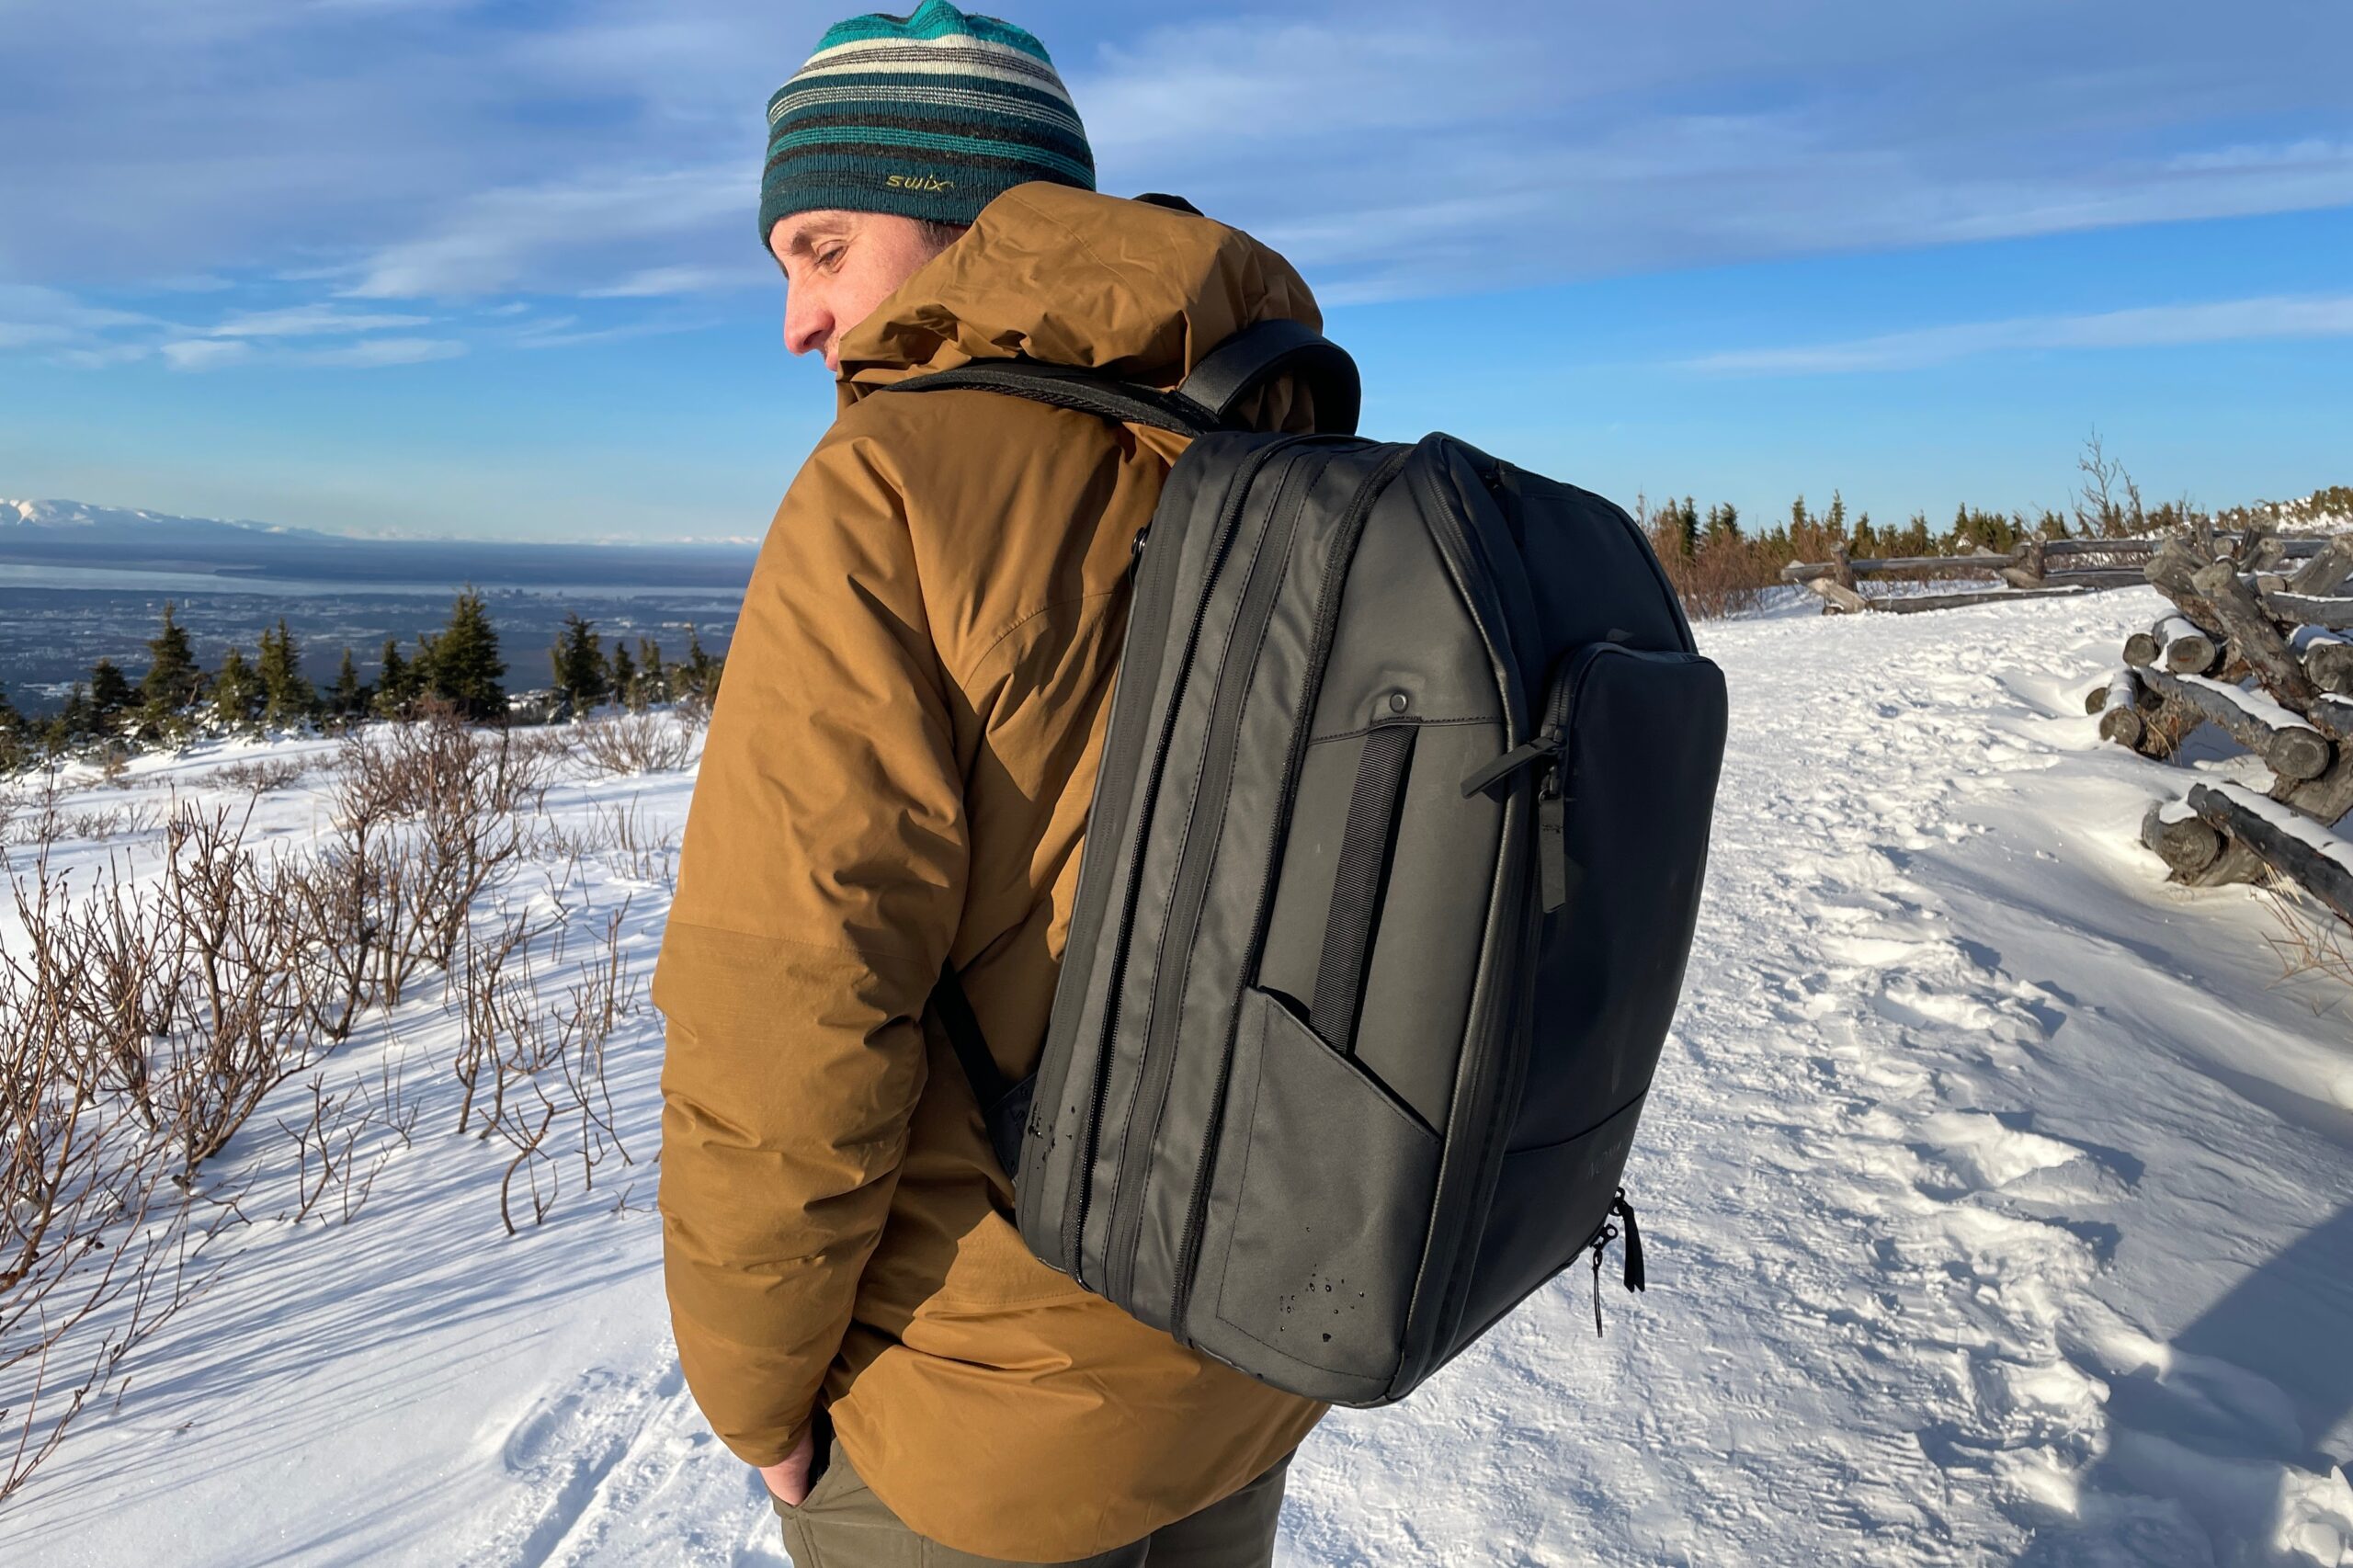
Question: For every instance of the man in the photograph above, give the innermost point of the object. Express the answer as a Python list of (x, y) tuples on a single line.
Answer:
[(897, 774)]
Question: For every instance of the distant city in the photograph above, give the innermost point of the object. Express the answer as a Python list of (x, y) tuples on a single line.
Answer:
[(81, 583)]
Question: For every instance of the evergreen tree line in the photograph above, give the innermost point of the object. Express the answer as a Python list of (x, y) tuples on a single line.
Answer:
[(459, 666), (583, 675)]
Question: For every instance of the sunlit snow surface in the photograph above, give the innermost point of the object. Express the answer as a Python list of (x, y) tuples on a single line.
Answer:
[(1998, 1201)]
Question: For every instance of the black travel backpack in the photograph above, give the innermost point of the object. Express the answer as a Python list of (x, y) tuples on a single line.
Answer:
[(1389, 883)]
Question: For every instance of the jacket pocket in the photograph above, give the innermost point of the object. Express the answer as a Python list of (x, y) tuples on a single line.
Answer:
[(1331, 1209)]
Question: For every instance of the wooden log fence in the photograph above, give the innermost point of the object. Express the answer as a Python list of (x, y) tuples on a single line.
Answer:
[(2038, 568), (2257, 645)]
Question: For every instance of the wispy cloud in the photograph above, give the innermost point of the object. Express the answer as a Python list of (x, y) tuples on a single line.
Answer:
[(667, 282), (538, 237), (371, 353), (310, 321), (204, 353), (2223, 321), (433, 149)]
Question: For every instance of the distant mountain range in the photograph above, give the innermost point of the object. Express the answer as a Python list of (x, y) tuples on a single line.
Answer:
[(72, 533)]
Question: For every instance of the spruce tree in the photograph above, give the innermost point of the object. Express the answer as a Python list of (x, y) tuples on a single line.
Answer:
[(349, 699), (577, 661), (15, 736), (236, 692), (74, 722), (465, 669), (624, 678), (699, 673), (394, 682), (287, 698), (110, 695), (651, 675), (174, 679)]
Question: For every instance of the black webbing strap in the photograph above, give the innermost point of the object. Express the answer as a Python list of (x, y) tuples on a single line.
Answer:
[(1065, 386), (1005, 1107), (1206, 402), (1355, 887)]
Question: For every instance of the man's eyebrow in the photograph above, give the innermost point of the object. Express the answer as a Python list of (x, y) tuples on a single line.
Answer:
[(804, 237)]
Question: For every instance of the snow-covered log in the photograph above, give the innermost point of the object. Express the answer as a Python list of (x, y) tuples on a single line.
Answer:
[(1907, 565), (2256, 640), (2287, 744), (2169, 569), (2185, 841), (2031, 562), (2185, 650), (1913, 604), (2121, 689), (2122, 548), (2119, 706), (2174, 642), (2312, 857), (2325, 573), (1836, 599), (2336, 613)]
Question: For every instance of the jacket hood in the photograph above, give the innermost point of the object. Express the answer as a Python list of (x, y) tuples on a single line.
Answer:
[(1070, 277)]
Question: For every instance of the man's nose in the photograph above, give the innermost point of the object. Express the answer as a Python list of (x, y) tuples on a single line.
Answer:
[(807, 325)]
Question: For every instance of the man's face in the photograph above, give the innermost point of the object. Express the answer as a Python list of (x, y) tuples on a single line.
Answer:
[(837, 266)]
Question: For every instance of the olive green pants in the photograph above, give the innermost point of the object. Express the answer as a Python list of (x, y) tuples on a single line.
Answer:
[(841, 1524)]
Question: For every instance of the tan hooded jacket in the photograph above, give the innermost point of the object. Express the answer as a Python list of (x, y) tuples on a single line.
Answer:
[(898, 772)]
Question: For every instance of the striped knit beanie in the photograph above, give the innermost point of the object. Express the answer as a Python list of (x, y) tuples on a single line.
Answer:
[(928, 117)]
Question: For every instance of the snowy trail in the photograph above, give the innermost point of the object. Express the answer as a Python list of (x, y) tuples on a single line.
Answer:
[(1998, 1200)]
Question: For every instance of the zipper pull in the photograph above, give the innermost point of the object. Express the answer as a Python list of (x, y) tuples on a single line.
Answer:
[(1552, 839), (1635, 1278), (1484, 781), (1135, 547), (1600, 1245)]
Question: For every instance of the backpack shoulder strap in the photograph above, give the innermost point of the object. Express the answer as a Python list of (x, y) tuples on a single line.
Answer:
[(1065, 386), (1204, 403), (1005, 1107), (1258, 354)]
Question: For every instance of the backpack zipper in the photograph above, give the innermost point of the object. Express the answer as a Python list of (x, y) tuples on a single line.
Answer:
[(1262, 582), (1122, 753), (1327, 620)]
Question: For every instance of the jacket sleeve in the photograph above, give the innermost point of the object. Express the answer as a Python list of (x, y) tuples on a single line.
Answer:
[(821, 883)]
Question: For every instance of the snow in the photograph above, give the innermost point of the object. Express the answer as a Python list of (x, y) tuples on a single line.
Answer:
[(1998, 1200)]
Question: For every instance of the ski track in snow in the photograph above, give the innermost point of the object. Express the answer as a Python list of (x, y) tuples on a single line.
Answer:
[(1999, 1208)]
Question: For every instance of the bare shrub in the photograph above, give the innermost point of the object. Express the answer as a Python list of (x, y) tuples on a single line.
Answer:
[(95, 1248), (242, 994), (2309, 944), (534, 1068), (451, 799), (1722, 575), (328, 1162), (619, 745), (258, 775), (622, 836)]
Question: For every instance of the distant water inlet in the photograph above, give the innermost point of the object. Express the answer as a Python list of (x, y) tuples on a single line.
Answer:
[(57, 622)]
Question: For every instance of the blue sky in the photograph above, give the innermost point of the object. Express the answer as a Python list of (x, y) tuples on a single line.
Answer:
[(488, 269)]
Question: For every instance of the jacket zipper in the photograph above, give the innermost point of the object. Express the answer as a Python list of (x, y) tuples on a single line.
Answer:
[(1123, 754), (1328, 618), (1269, 563)]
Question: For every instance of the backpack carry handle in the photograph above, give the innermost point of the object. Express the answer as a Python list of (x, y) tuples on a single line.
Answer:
[(1256, 354)]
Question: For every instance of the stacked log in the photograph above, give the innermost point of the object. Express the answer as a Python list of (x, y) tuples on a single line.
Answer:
[(2260, 646)]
